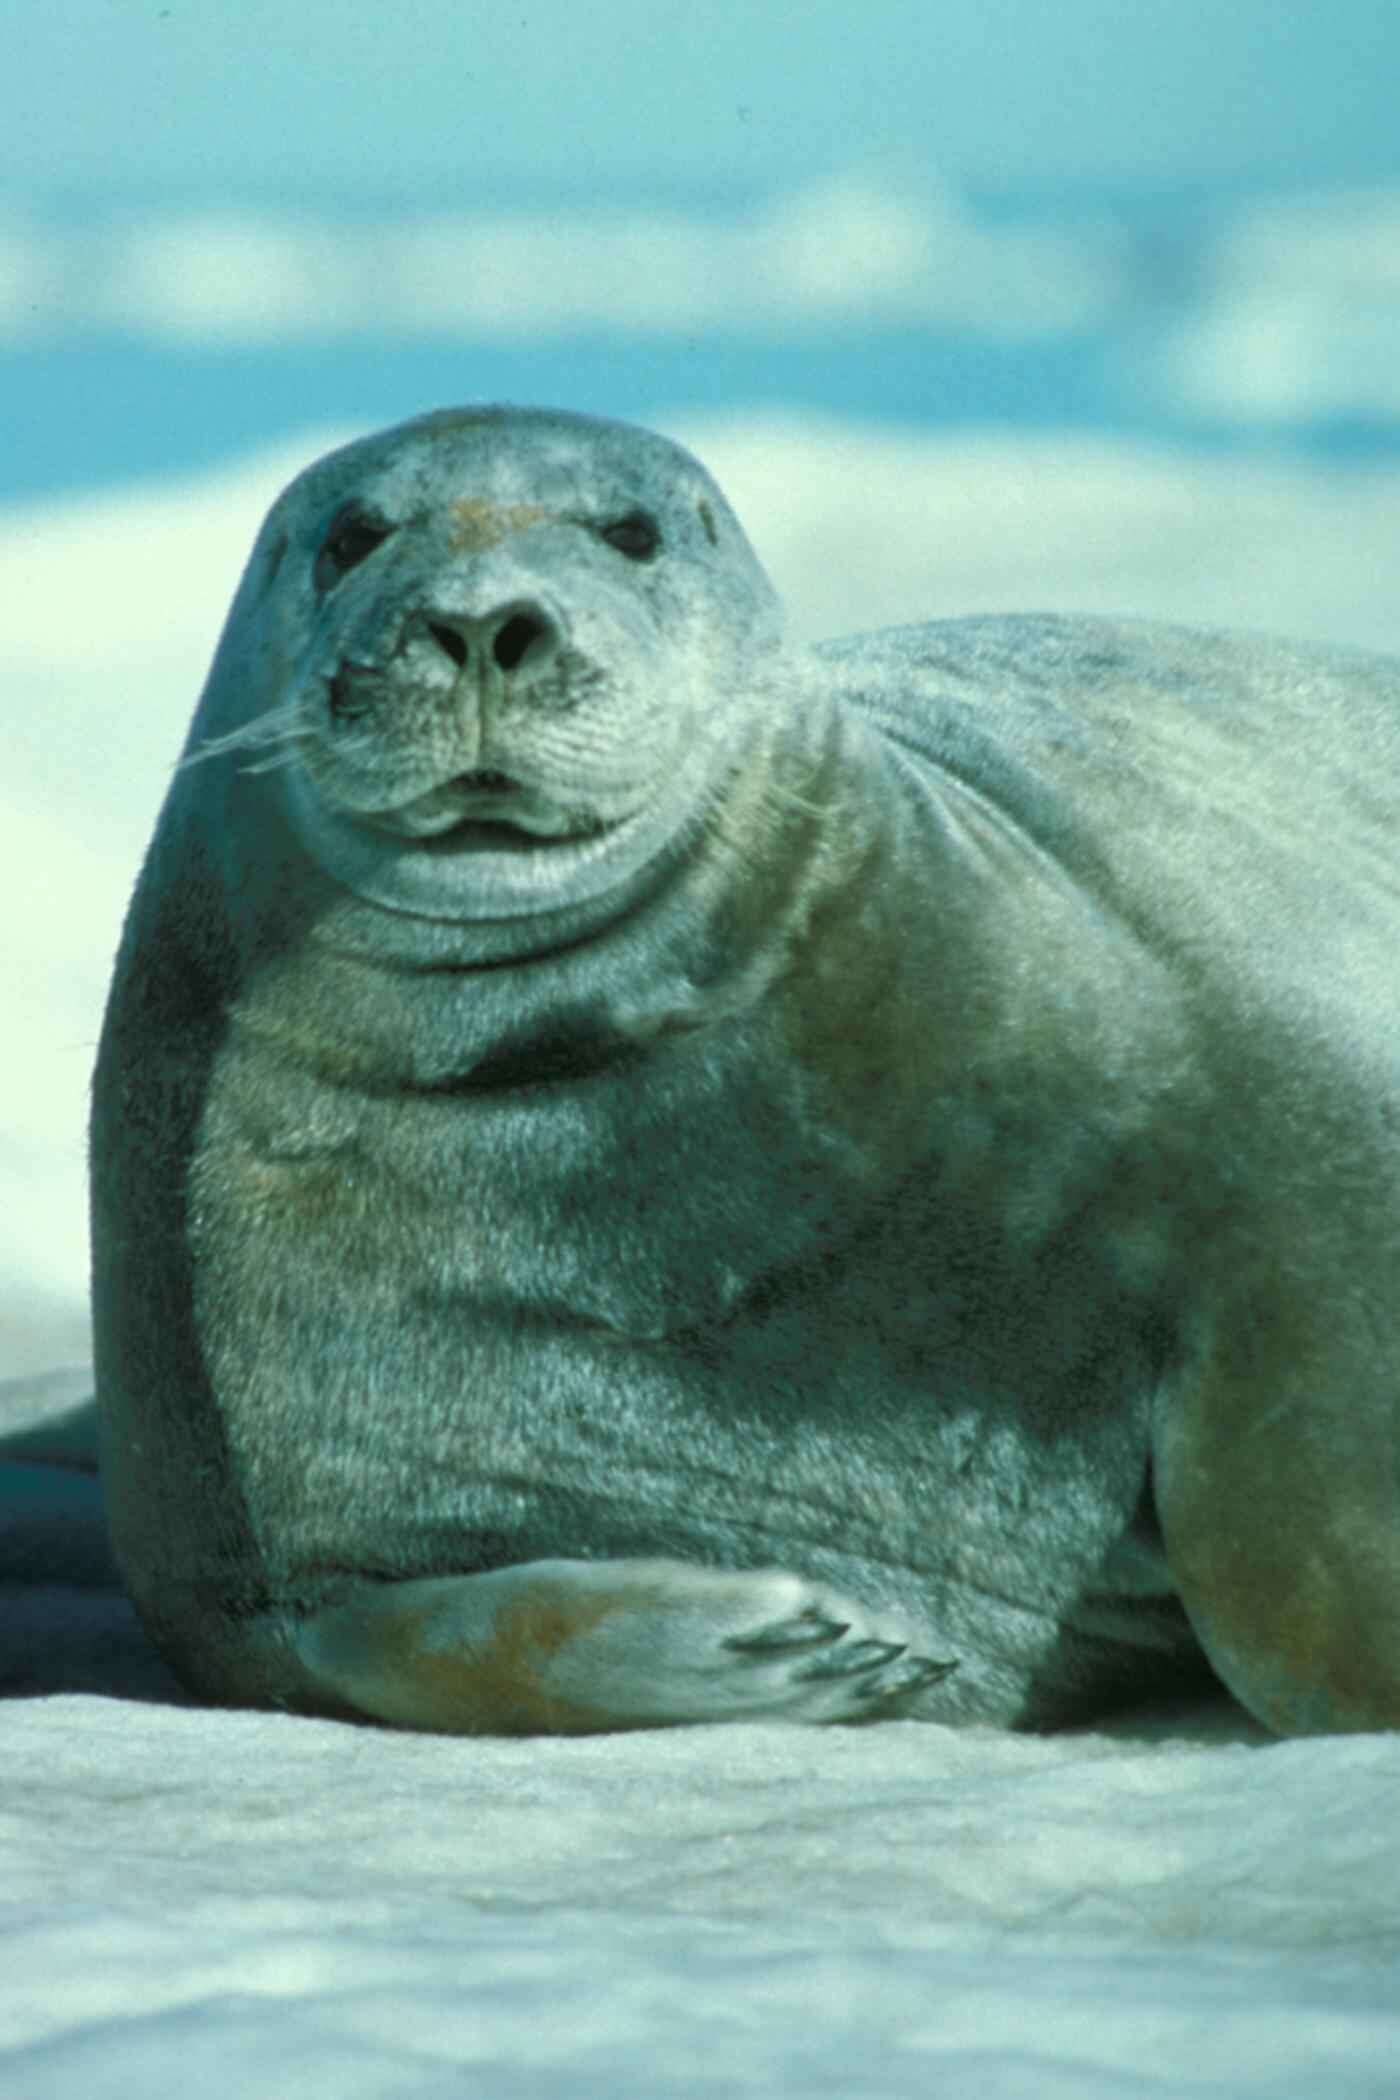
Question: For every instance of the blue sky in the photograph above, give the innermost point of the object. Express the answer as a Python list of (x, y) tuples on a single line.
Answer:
[(312, 96), (223, 222), (1009, 302)]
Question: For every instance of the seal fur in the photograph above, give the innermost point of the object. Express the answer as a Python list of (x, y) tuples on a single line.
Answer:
[(639, 1175)]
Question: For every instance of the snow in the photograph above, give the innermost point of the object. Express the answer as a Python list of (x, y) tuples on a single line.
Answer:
[(1173, 1905), (267, 1906), (278, 1906)]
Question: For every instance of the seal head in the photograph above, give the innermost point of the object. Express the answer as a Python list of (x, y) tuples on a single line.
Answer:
[(501, 642)]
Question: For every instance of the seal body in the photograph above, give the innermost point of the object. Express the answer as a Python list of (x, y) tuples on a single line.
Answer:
[(639, 1175)]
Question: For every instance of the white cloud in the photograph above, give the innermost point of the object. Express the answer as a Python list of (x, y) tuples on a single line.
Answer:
[(860, 527), (223, 277), (1299, 317), (1294, 314), (1342, 246), (848, 250), (31, 279)]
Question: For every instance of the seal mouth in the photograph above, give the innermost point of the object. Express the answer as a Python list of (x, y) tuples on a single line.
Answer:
[(485, 811), (485, 844), (501, 835)]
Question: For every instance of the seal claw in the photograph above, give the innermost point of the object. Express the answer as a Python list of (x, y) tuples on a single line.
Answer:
[(852, 1660), (916, 1672), (812, 1628)]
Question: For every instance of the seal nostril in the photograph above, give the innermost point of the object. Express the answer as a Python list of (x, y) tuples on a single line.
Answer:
[(345, 703), (449, 641), (485, 780), (515, 637)]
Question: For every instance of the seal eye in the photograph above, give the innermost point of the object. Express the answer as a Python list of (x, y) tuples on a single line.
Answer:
[(637, 535), (352, 538)]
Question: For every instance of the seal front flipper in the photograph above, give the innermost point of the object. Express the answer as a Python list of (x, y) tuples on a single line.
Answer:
[(581, 1647)]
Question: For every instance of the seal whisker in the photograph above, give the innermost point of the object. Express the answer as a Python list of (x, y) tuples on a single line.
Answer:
[(277, 732), (745, 829)]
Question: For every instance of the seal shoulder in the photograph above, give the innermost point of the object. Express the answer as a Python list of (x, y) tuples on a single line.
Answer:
[(1234, 792)]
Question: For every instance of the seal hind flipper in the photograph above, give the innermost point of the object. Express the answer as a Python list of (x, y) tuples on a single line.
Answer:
[(580, 1647), (1279, 1512), (68, 1440)]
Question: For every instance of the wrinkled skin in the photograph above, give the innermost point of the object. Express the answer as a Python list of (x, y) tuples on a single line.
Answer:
[(642, 1176)]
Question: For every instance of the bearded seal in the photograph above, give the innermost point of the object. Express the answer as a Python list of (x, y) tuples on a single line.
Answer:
[(642, 1175)]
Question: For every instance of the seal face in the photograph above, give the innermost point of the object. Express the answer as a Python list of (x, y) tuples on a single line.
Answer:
[(490, 705), (642, 1176)]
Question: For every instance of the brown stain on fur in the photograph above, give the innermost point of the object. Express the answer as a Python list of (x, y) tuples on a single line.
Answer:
[(500, 1687), (477, 525)]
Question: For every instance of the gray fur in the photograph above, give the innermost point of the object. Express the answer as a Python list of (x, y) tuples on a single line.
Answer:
[(911, 1123)]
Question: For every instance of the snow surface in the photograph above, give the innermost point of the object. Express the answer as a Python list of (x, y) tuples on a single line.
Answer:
[(278, 1906), (268, 1906)]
